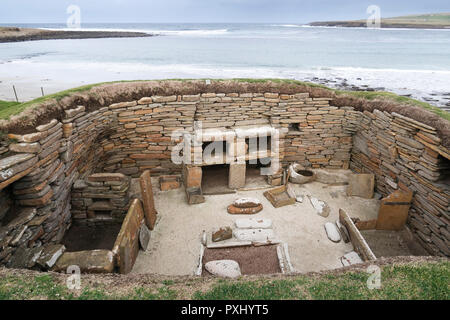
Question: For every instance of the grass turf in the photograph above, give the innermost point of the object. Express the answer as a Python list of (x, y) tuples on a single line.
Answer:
[(8, 109), (427, 281)]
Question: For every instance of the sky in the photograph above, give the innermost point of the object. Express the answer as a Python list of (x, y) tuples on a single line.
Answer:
[(208, 11)]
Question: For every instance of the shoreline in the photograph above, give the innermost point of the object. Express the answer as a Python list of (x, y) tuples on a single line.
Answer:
[(383, 25), (15, 34)]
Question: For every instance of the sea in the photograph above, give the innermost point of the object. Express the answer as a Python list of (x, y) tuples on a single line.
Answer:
[(410, 62)]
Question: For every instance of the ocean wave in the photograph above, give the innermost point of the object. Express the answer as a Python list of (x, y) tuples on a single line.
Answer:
[(193, 32), (287, 25)]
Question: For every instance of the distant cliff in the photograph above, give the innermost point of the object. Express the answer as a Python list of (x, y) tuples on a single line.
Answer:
[(425, 21)]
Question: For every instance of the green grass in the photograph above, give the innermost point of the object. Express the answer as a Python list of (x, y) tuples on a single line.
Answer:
[(433, 18), (370, 95), (8, 109), (427, 281)]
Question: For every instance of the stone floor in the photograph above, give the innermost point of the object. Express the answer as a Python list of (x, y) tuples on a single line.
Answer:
[(175, 243)]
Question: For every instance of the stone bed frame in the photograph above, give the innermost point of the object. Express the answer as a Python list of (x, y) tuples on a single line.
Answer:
[(38, 170)]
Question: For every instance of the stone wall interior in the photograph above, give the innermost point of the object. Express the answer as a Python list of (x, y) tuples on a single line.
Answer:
[(77, 169)]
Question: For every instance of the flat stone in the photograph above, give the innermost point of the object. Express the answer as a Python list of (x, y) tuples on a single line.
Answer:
[(79, 185), (246, 203), (90, 261), (31, 137), (222, 234), (37, 202), (321, 207), (25, 215), (361, 185), (70, 113), (25, 257), (102, 177), (330, 176), (234, 210), (350, 259), (101, 206), (253, 234), (50, 255), (47, 126), (8, 162), (18, 170), (144, 237), (332, 232), (253, 223), (224, 268), (25, 147)]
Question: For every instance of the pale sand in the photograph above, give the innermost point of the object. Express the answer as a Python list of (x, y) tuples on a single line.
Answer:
[(175, 242)]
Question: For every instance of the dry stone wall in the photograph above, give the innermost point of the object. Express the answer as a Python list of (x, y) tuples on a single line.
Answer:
[(406, 154), (38, 170)]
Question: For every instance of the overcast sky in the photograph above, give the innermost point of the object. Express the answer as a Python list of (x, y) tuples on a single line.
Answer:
[(158, 11)]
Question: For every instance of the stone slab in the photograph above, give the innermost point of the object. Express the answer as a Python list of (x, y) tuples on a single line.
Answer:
[(361, 185), (144, 237), (393, 211), (224, 268), (236, 177), (350, 259), (253, 234), (222, 234), (89, 261), (147, 199), (253, 223), (332, 232), (126, 247)]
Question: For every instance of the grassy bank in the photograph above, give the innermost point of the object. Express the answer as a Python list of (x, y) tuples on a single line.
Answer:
[(424, 280), (421, 21), (8, 109)]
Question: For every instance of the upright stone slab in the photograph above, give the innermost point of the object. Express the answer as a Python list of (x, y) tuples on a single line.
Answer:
[(361, 185), (147, 199), (236, 178), (394, 210), (126, 247), (192, 177)]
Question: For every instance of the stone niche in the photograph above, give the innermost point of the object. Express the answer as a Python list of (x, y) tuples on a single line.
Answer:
[(55, 174), (101, 197)]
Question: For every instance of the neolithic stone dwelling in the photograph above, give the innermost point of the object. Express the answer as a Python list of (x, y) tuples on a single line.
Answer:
[(48, 151)]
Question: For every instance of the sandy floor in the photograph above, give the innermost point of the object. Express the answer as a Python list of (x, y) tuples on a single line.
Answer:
[(175, 242), (392, 243)]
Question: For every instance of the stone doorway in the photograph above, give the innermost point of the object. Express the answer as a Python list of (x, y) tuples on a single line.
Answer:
[(215, 179)]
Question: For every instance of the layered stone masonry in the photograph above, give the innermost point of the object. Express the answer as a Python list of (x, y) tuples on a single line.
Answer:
[(406, 154), (38, 170), (101, 198)]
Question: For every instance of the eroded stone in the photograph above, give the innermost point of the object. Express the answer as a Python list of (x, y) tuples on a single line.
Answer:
[(332, 232), (224, 268)]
